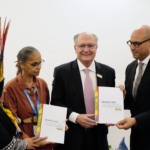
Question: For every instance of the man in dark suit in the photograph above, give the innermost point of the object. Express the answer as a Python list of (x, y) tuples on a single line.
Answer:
[(138, 102), (68, 91)]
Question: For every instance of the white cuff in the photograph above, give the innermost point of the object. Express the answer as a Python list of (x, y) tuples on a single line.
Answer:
[(73, 116)]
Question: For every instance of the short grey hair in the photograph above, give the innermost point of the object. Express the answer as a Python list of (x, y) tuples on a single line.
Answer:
[(77, 35)]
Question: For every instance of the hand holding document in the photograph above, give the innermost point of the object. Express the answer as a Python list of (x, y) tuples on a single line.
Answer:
[(109, 107), (52, 122)]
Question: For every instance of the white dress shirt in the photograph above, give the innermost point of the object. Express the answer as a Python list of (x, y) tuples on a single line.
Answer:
[(73, 116)]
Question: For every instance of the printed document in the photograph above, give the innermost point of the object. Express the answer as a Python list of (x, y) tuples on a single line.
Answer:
[(109, 105), (51, 123)]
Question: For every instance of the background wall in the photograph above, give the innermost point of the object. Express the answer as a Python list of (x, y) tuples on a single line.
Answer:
[(50, 25)]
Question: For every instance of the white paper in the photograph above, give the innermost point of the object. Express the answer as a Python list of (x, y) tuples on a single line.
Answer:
[(53, 123), (111, 105)]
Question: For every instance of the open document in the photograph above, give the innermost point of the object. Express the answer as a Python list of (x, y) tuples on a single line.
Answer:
[(51, 123), (109, 107)]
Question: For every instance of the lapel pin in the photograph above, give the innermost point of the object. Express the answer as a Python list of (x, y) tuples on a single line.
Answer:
[(99, 75)]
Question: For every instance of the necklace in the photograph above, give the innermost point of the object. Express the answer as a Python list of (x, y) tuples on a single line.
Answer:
[(29, 85)]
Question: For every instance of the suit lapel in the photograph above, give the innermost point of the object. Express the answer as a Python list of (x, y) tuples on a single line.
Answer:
[(132, 76), (77, 78), (99, 74), (145, 78)]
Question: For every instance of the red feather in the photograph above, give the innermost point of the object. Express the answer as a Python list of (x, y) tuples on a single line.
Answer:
[(3, 36)]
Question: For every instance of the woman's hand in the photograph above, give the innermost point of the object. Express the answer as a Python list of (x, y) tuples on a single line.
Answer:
[(34, 142), (31, 143), (42, 141)]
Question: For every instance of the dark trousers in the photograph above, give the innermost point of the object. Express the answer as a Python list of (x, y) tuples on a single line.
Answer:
[(136, 142), (92, 142)]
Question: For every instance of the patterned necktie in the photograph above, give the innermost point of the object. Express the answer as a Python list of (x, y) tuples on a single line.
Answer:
[(138, 79), (88, 93)]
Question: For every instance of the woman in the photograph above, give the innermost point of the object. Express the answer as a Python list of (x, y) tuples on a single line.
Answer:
[(9, 131), (26, 91)]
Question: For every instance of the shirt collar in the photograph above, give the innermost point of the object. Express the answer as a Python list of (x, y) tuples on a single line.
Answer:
[(91, 67), (146, 60)]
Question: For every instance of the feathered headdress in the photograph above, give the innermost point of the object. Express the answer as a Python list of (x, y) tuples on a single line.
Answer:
[(3, 36)]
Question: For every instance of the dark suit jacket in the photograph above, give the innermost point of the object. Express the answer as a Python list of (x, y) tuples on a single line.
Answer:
[(140, 106), (67, 91)]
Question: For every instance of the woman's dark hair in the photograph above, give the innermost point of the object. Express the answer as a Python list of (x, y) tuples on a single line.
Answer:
[(23, 55)]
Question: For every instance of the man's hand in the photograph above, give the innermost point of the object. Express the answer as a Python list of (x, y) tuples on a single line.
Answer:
[(122, 88), (85, 120), (126, 123), (66, 127)]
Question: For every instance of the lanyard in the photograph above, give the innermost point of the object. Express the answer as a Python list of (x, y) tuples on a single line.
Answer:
[(35, 110)]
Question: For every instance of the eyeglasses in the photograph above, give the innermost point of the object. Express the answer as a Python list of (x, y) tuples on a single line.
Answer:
[(35, 64), (86, 45), (136, 44)]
